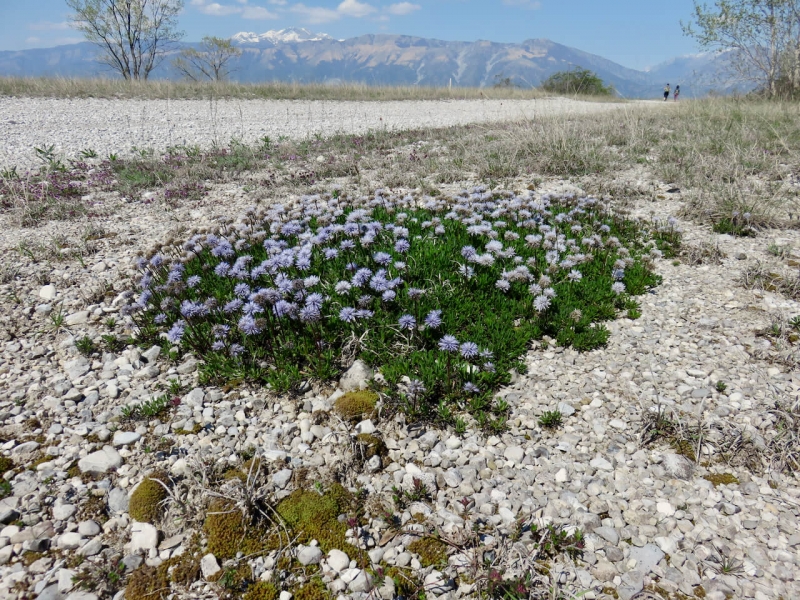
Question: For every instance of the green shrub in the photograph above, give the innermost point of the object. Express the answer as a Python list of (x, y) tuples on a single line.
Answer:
[(577, 81)]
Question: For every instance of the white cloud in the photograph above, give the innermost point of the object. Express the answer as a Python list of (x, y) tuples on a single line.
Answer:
[(278, 2), (316, 14), (257, 12), (49, 26), (529, 4), (403, 8), (354, 8), (215, 9)]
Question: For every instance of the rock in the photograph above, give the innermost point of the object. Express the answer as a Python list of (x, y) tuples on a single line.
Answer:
[(366, 427), (309, 555), (180, 468), (632, 583), (514, 453), (209, 566), (118, 500), (677, 466), (144, 537), (741, 256), (601, 464), (362, 582), (51, 592), (665, 508), (151, 354), (88, 528), (78, 318), (62, 511), (566, 409), (47, 292), (609, 534), (646, 557), (125, 438), (356, 377), (101, 461), (70, 541), (81, 596), (282, 478), (194, 398), (92, 547), (338, 561)]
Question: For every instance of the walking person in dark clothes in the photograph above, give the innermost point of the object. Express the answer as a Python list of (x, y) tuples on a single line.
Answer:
[(666, 92), (677, 93)]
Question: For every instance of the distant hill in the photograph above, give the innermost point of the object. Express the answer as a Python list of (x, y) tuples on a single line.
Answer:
[(300, 55)]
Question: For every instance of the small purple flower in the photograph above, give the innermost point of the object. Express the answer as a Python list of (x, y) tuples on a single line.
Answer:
[(175, 334), (402, 246), (330, 253), (448, 344), (382, 258), (248, 326), (282, 308), (502, 285), (252, 308), (388, 296), (347, 245), (541, 303), (222, 269), (468, 252), (232, 306), (407, 322), (416, 387), (434, 319), (575, 275), (160, 318), (342, 287), (309, 314), (469, 350), (157, 260), (489, 367), (363, 313), (414, 293), (242, 290), (314, 300), (218, 346), (618, 288), (193, 281), (618, 274), (471, 388), (347, 314), (236, 349)]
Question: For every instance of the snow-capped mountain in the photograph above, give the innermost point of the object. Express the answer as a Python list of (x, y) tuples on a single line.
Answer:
[(279, 36)]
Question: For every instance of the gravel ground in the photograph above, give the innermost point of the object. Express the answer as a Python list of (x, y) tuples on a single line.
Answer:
[(117, 126), (656, 527)]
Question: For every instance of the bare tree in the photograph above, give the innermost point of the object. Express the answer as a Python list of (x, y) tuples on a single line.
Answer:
[(133, 34), (209, 62), (761, 38)]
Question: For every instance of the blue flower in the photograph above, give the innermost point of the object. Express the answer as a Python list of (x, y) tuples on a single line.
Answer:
[(471, 388), (310, 314), (469, 349), (541, 303), (248, 325), (347, 314), (575, 275), (434, 319), (448, 343), (342, 287), (502, 285), (315, 300), (160, 318), (330, 253), (416, 387), (175, 334), (364, 313), (242, 290), (236, 349), (382, 258), (414, 293), (402, 246), (193, 281), (407, 322), (282, 308), (218, 346), (252, 308), (157, 260), (222, 269), (618, 288), (618, 274), (388, 296), (233, 306)]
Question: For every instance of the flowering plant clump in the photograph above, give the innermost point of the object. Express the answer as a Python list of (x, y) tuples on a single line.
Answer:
[(443, 295)]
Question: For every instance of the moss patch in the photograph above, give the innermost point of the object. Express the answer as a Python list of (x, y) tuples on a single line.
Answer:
[(354, 406), (6, 464), (314, 517), (262, 590), (146, 501), (431, 551), (405, 583), (149, 583), (372, 445), (721, 479), (313, 590), (229, 531)]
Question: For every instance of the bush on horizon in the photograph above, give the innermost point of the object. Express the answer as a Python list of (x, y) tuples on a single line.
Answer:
[(577, 81)]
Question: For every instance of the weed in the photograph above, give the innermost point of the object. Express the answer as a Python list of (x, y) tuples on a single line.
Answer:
[(149, 409), (85, 345), (550, 419), (721, 386)]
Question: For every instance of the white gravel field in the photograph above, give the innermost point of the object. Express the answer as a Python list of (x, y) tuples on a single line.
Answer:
[(117, 126)]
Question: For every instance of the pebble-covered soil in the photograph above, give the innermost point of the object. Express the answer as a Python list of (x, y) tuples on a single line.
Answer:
[(119, 126), (656, 524)]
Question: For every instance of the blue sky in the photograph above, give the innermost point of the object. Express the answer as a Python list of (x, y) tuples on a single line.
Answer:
[(634, 33)]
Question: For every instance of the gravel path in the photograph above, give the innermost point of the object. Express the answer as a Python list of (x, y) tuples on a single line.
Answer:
[(117, 126)]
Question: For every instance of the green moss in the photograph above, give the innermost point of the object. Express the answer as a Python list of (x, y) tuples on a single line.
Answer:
[(146, 501), (354, 406), (313, 590), (431, 551), (405, 584), (6, 464), (721, 479), (311, 516), (262, 590), (229, 531), (372, 445), (39, 460)]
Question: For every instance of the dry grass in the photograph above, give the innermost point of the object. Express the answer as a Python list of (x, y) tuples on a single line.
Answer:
[(273, 90)]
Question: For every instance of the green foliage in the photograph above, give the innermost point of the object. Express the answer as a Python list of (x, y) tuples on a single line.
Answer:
[(209, 62), (491, 302), (313, 590), (355, 406), (149, 409), (721, 479), (736, 225), (577, 81), (85, 345), (262, 590), (146, 502), (551, 419), (432, 551), (6, 464), (721, 386)]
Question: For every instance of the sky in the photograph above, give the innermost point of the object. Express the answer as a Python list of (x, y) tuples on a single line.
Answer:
[(633, 33)]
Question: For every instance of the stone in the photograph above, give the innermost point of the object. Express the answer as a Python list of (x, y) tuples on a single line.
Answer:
[(78, 318), (63, 511), (70, 541), (514, 453), (101, 461), (609, 534), (47, 292), (92, 547), (144, 537), (566, 410), (665, 508), (361, 583), (194, 398), (118, 500), (209, 566), (632, 583), (646, 557), (678, 467), (309, 555), (338, 561), (79, 595), (88, 528), (366, 427), (356, 377), (51, 592), (282, 478), (125, 438), (601, 464)]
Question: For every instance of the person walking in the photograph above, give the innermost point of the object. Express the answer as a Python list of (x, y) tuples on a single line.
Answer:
[(666, 92), (677, 93)]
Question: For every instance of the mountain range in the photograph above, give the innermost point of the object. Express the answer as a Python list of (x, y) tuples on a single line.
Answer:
[(300, 55)]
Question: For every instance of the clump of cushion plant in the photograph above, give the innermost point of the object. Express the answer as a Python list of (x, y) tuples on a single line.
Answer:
[(431, 551), (444, 295), (146, 503), (354, 406)]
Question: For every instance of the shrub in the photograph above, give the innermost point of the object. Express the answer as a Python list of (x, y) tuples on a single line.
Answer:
[(354, 406), (146, 503), (551, 419), (445, 292), (577, 81)]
